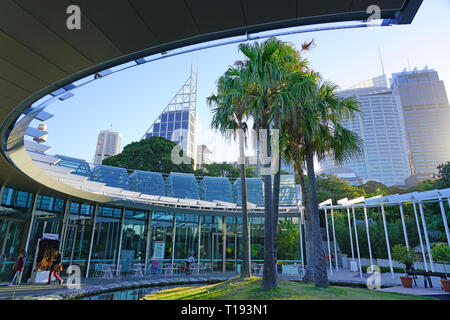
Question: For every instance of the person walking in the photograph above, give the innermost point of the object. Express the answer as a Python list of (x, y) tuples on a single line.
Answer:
[(55, 268), (19, 266), (189, 262)]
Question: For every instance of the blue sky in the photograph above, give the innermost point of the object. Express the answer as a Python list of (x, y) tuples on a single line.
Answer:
[(132, 99)]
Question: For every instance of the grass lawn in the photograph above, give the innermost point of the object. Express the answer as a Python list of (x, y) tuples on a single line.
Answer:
[(250, 289)]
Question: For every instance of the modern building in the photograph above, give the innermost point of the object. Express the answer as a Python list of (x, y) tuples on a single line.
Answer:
[(79, 166), (426, 114), (255, 193), (381, 127), (108, 145), (215, 188), (204, 155), (95, 223), (151, 183), (178, 121), (111, 176), (182, 185)]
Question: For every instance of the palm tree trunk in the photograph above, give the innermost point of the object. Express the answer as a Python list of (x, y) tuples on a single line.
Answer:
[(269, 280), (318, 262), (309, 274), (246, 270), (276, 199)]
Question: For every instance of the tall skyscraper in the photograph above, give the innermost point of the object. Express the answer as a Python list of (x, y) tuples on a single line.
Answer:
[(108, 144), (426, 112), (178, 121), (380, 124)]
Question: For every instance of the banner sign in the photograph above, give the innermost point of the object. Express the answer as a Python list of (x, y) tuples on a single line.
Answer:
[(158, 250), (50, 236)]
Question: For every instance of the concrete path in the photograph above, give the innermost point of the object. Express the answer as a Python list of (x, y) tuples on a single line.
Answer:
[(97, 285)]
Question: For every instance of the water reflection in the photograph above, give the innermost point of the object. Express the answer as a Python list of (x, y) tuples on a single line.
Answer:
[(131, 294)]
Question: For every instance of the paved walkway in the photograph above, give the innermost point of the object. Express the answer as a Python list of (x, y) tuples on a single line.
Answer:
[(97, 285), (387, 283)]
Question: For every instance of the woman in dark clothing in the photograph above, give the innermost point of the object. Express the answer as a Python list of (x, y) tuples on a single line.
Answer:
[(55, 268)]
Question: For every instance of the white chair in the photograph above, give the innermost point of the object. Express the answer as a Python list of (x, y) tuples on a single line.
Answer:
[(137, 270), (208, 266), (97, 269)]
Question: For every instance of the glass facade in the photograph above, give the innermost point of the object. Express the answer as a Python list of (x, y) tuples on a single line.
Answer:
[(93, 235), (147, 182), (79, 167), (288, 194), (134, 239), (426, 113), (381, 127), (106, 238), (254, 191), (77, 236), (111, 176), (215, 188), (182, 186)]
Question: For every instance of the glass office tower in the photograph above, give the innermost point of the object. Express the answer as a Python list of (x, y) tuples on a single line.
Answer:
[(178, 121), (380, 124), (426, 112)]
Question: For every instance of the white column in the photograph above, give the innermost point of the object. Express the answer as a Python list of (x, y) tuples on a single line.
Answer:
[(357, 242), (174, 228), (444, 218), (404, 225), (387, 241), (92, 241), (199, 237), (119, 250), (427, 240), (328, 241), (149, 240), (420, 238), (350, 233), (368, 235), (334, 240), (30, 228)]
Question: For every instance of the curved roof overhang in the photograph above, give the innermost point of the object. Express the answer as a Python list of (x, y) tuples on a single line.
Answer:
[(40, 55)]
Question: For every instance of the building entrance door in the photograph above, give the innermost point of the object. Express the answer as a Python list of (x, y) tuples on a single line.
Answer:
[(10, 241), (217, 256)]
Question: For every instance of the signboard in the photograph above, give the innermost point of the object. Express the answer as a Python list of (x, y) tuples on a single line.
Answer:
[(51, 236), (158, 250)]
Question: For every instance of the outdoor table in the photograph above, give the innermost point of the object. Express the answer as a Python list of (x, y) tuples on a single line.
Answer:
[(108, 271)]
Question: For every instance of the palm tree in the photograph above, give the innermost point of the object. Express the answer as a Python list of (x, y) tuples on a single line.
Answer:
[(268, 70), (316, 123), (229, 112)]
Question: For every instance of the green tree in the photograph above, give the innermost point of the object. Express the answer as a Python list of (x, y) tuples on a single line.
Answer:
[(268, 69), (319, 117), (153, 154), (229, 117), (443, 176)]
